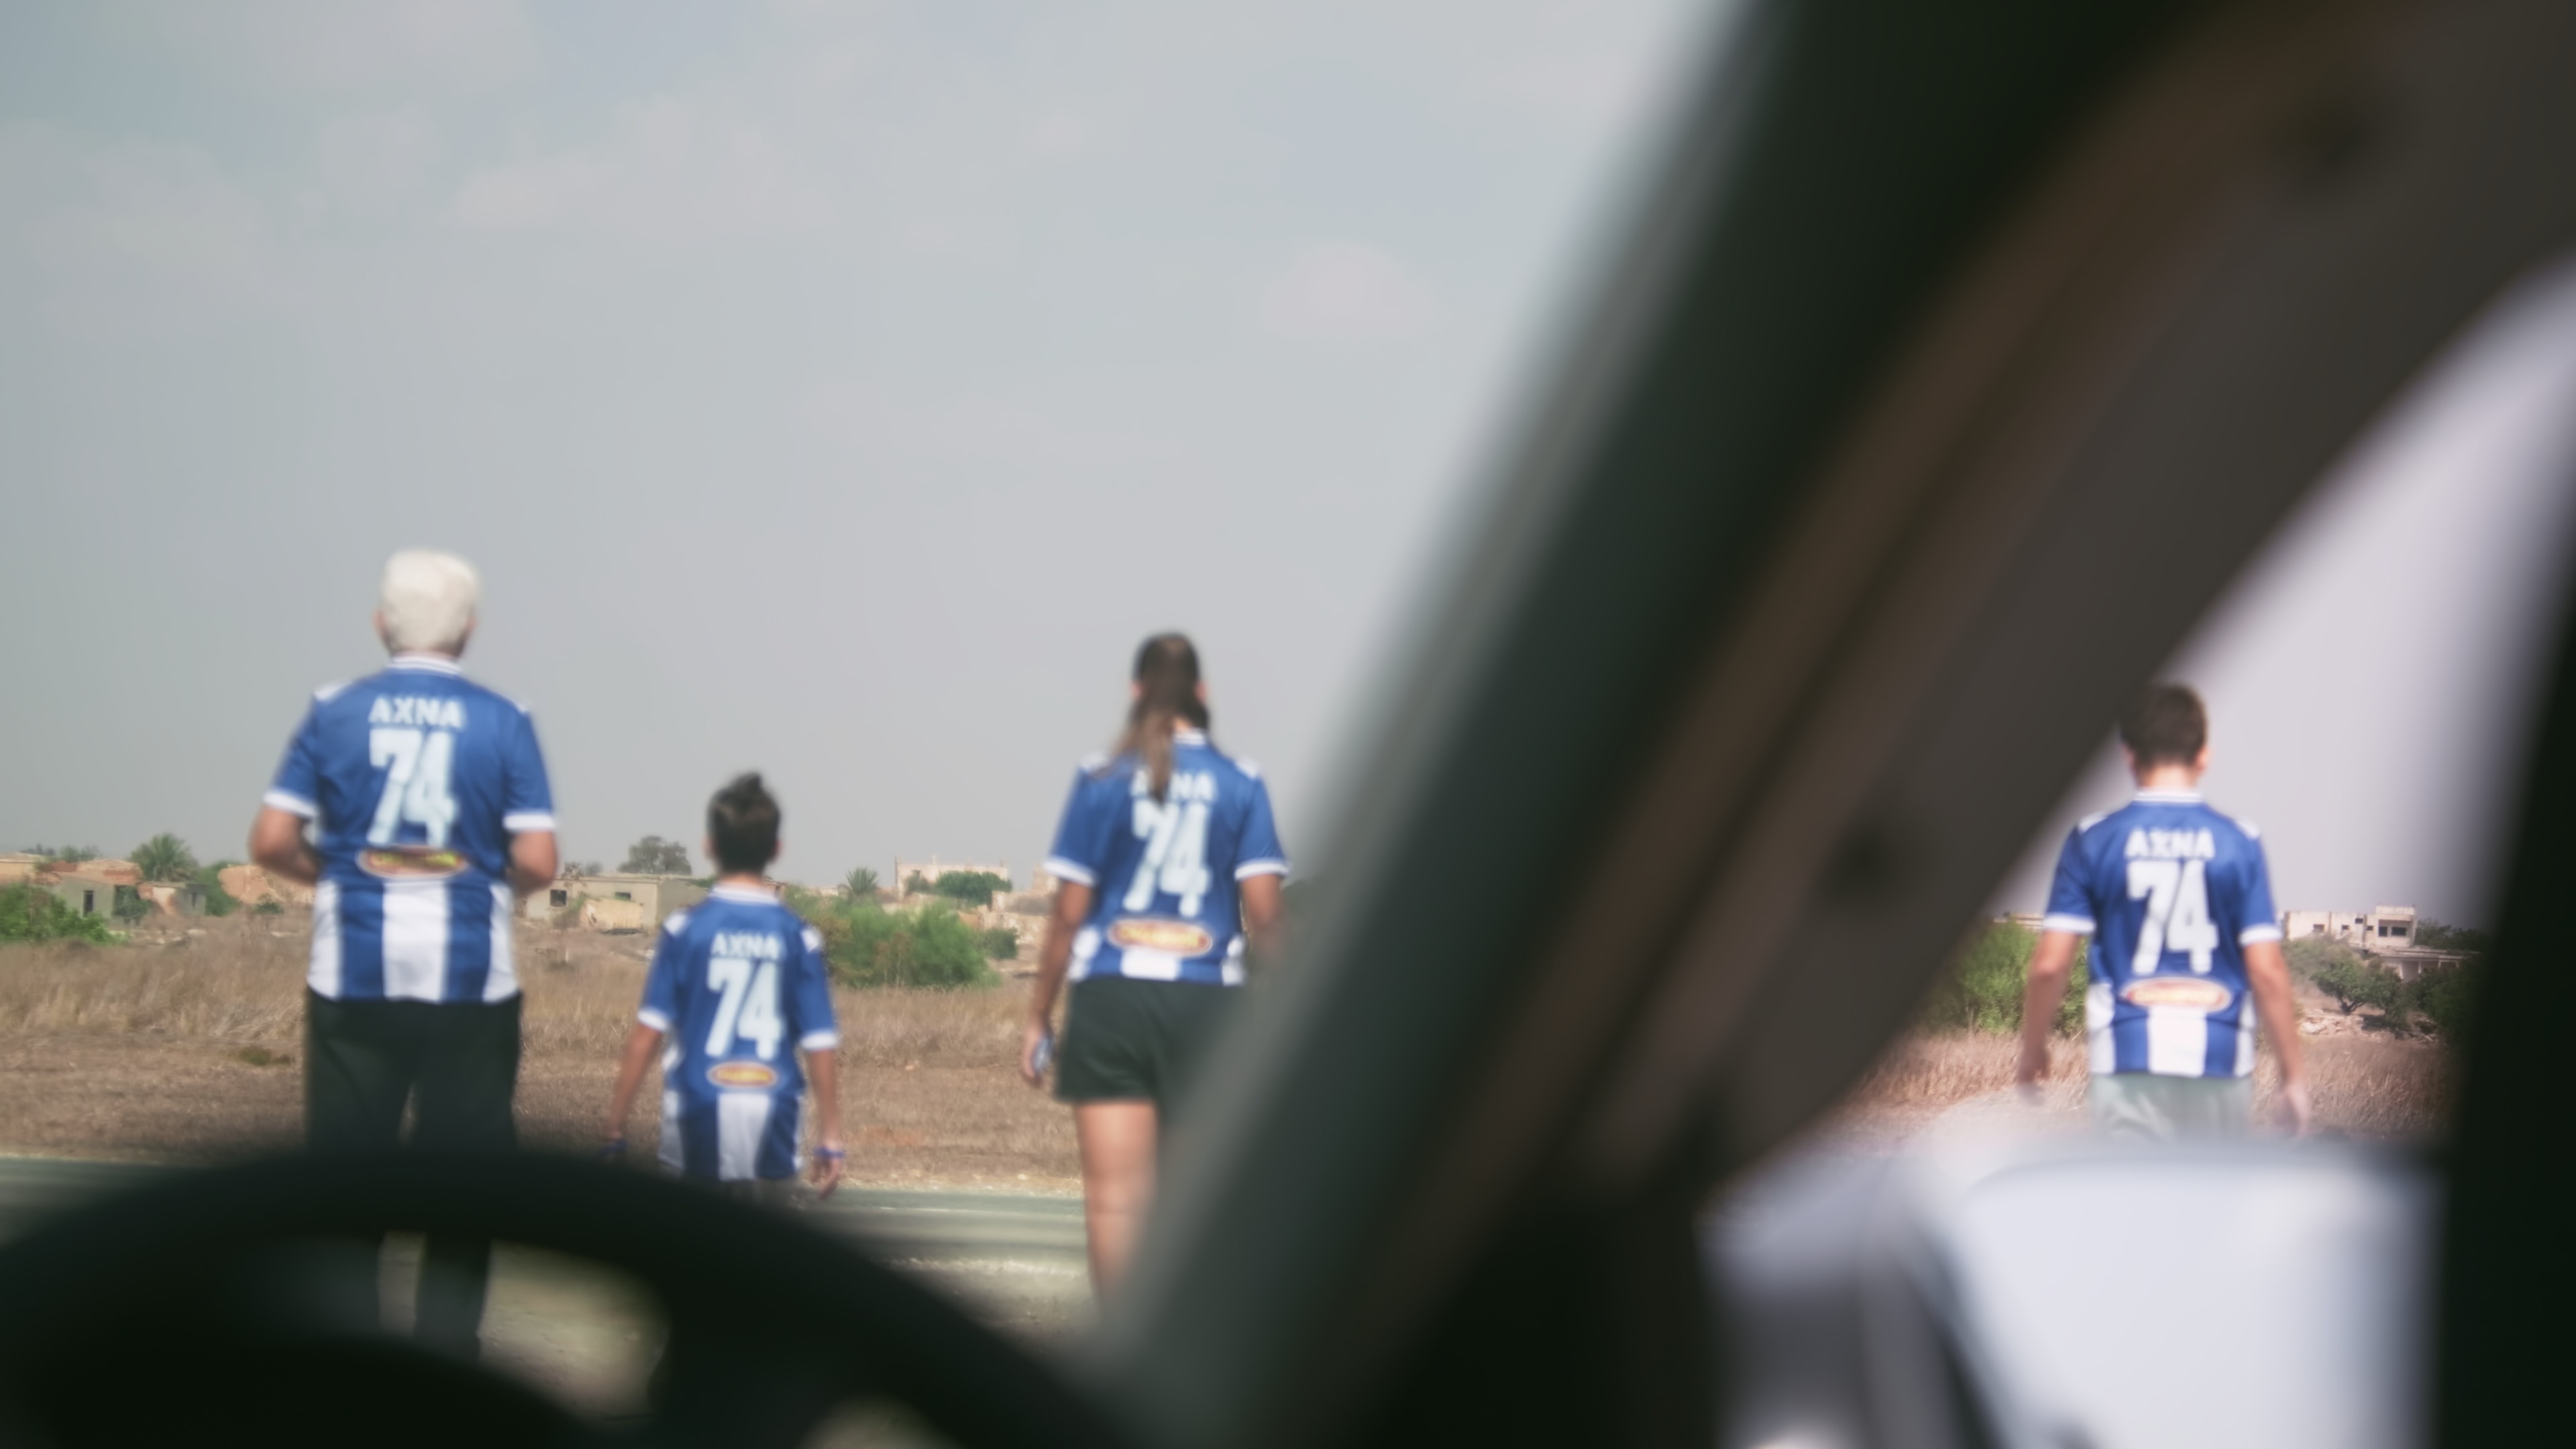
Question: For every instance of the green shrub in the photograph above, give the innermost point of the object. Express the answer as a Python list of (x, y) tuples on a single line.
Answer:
[(210, 887), (975, 886), (2309, 955), (2450, 999), (1001, 943), (268, 908), (2446, 1000), (869, 945), (1982, 988), (130, 905), (2357, 983), (2352, 979), (31, 913)]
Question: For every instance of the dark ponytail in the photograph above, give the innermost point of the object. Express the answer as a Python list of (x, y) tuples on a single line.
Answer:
[(1167, 692)]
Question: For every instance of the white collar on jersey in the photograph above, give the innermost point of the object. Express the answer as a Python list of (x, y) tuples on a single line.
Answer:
[(1184, 735), (2168, 797), (434, 663), (748, 894)]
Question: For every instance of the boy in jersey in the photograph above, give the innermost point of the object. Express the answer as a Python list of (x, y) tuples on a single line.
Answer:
[(430, 813), (739, 986), (2187, 951)]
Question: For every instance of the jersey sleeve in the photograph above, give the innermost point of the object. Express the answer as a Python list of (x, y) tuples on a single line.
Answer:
[(1258, 851), (297, 786), (1082, 838), (662, 980), (2256, 921), (527, 797), (811, 997), (2070, 904)]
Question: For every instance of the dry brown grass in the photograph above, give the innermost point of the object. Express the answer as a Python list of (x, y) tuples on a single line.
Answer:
[(192, 1052), (2362, 1086)]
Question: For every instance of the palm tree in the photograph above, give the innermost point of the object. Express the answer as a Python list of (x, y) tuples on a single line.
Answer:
[(861, 884), (165, 857)]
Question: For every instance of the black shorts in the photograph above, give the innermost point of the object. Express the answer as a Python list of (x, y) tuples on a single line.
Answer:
[(455, 1063), (1127, 1041)]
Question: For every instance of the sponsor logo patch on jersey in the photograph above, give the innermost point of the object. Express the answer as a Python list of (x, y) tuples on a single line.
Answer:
[(2181, 993), (742, 1075), (1176, 938), (410, 862)]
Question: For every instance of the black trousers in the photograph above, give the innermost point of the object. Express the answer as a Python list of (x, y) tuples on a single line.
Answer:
[(456, 1064)]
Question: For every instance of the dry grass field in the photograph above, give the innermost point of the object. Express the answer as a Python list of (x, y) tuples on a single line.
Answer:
[(2364, 1086), (190, 1051)]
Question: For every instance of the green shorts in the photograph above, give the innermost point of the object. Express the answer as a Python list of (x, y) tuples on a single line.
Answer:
[(1127, 1041), (2171, 1109)]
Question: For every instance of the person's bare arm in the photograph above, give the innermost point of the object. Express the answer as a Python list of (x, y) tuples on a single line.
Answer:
[(1265, 916), (1072, 908), (823, 1069), (641, 1043), (2051, 962), (532, 861), (2267, 971), (278, 846)]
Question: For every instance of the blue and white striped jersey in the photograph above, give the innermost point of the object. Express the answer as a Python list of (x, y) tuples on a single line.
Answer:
[(2171, 892), (738, 987), (415, 779), (1165, 905)]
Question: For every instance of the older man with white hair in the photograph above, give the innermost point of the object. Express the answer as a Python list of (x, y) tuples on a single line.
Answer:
[(429, 813)]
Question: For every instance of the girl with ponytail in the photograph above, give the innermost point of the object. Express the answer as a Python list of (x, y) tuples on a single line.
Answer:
[(1166, 863)]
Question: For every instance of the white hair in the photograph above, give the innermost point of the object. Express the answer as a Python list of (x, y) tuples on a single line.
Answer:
[(427, 601)]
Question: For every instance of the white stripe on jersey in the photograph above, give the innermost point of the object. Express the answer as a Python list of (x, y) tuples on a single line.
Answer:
[(323, 974), (2245, 1039), (742, 1119), (1086, 944), (415, 942), (2177, 1041), (671, 1148), (292, 804), (1141, 965), (503, 982)]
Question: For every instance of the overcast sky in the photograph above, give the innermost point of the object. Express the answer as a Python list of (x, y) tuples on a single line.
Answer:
[(842, 390), (2372, 677)]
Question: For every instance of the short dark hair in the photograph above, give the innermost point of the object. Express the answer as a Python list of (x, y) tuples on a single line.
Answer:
[(2167, 726), (742, 825)]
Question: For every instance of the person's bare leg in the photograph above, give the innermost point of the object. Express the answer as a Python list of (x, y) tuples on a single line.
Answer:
[(1117, 1141)]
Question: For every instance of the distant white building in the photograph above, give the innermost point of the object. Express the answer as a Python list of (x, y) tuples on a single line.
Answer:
[(615, 900), (2382, 928)]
